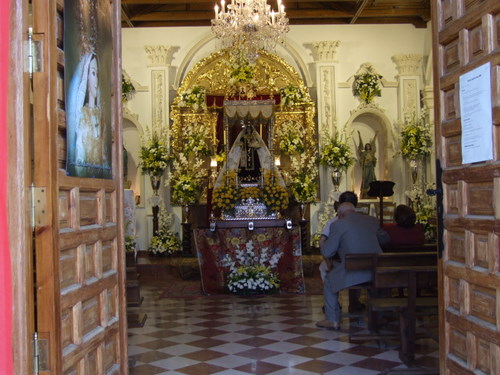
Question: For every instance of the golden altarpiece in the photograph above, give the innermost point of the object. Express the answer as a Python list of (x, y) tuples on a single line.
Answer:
[(230, 110)]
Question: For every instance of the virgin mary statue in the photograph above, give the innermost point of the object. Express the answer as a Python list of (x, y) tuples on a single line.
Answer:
[(249, 158)]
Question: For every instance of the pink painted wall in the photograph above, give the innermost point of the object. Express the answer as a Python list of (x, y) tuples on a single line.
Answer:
[(6, 365)]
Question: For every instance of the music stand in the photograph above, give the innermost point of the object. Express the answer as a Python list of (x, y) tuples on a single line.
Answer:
[(381, 189)]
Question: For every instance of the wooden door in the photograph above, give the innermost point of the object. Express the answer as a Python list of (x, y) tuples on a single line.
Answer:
[(466, 36), (80, 294)]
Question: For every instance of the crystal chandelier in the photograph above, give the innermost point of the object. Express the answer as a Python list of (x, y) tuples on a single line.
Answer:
[(247, 26)]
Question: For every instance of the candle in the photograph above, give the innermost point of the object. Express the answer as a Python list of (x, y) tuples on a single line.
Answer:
[(216, 8)]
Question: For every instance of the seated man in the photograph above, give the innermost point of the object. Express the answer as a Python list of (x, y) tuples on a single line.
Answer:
[(352, 233)]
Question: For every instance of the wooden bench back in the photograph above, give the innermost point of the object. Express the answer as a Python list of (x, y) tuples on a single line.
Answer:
[(370, 261), (424, 276)]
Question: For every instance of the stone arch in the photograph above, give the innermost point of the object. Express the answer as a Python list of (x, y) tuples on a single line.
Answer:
[(369, 120)]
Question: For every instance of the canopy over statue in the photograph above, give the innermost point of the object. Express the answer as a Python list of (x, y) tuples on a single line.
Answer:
[(249, 156)]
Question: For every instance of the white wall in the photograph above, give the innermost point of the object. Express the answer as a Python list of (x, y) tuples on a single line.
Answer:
[(375, 44)]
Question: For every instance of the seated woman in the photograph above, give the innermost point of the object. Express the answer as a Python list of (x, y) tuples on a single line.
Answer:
[(405, 232)]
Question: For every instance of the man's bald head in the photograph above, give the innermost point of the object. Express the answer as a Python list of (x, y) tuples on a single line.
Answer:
[(345, 209)]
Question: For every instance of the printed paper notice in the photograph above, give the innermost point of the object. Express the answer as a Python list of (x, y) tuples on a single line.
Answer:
[(475, 110)]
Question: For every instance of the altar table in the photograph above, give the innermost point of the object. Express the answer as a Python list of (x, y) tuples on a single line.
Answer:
[(212, 246)]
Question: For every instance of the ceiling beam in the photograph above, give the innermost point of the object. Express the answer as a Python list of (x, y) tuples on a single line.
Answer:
[(291, 14)]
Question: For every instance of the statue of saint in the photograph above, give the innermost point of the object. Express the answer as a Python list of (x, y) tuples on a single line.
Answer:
[(367, 160), (249, 157)]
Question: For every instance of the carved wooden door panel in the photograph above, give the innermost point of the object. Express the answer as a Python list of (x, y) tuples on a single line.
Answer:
[(466, 36), (80, 293)]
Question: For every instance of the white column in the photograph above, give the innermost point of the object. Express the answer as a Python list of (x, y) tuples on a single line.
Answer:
[(409, 82), (324, 54), (409, 87), (160, 59)]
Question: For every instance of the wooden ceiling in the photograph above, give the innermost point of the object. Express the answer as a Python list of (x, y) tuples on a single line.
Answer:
[(160, 13)]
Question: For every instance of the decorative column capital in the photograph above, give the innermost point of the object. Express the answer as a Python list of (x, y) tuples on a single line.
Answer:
[(324, 51), (159, 55), (408, 64)]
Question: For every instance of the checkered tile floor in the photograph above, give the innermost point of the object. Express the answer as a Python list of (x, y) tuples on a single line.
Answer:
[(275, 335)]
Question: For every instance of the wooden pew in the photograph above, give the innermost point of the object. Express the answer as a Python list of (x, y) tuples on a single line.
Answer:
[(412, 278), (409, 270)]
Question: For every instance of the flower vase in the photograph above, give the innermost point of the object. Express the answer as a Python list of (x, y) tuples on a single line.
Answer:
[(155, 183), (414, 170), (336, 177), (302, 211), (186, 213)]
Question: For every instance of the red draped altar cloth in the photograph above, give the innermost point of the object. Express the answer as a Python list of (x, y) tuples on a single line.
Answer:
[(213, 246)]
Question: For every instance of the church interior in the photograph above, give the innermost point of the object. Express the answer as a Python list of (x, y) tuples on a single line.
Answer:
[(252, 144)]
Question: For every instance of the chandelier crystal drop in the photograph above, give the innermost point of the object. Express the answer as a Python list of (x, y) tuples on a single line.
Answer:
[(247, 26)]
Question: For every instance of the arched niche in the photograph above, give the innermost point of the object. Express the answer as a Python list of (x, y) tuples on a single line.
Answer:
[(371, 121), (132, 134)]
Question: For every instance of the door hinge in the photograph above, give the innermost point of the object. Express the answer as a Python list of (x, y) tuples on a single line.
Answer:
[(38, 206), (40, 354), (34, 53)]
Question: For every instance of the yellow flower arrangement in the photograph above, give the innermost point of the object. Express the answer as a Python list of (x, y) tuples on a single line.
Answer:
[(154, 154), (275, 196), (225, 196), (250, 192), (416, 139)]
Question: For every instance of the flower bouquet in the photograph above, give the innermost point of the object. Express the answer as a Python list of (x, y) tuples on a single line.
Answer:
[(242, 77), (304, 172), (275, 196), (292, 95), (226, 195), (291, 137), (335, 152), (416, 139), (128, 89), (194, 98), (185, 189), (425, 208), (366, 85), (165, 241), (250, 273), (304, 188), (154, 154)]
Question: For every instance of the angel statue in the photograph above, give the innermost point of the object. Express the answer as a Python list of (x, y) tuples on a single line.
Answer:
[(367, 161)]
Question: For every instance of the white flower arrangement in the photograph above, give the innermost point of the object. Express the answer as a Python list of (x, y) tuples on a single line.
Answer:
[(251, 274), (194, 98), (154, 154), (291, 135), (186, 179), (335, 152), (165, 241), (188, 170), (292, 95), (425, 208), (304, 176), (366, 85)]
